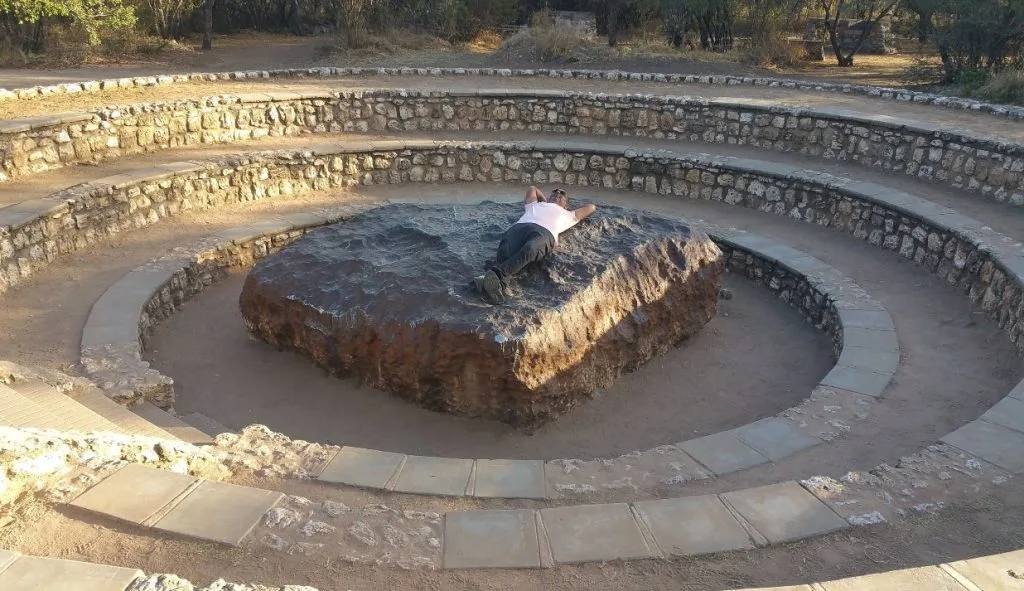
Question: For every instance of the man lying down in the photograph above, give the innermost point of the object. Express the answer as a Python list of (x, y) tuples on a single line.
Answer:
[(530, 239)]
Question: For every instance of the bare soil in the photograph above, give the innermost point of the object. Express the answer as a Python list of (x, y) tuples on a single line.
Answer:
[(733, 374)]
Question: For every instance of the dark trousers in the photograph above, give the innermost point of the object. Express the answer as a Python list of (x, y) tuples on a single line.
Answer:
[(521, 245)]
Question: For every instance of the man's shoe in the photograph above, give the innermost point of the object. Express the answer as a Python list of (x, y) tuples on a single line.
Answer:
[(491, 288)]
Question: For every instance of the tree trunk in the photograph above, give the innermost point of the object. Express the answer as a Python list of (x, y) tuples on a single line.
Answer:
[(613, 22), (924, 26), (833, 39), (208, 24)]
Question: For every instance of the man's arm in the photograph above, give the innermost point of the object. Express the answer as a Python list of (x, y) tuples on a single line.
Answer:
[(533, 195), (585, 211)]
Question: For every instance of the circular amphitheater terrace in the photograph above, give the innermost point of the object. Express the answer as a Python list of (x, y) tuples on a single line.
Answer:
[(853, 408)]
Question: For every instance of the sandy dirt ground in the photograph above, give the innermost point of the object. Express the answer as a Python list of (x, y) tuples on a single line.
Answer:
[(730, 374)]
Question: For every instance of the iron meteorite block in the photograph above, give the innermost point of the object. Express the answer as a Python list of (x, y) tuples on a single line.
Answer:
[(386, 298)]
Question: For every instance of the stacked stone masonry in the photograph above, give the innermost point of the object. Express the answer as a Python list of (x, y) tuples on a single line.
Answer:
[(896, 94), (917, 230), (970, 256), (990, 167)]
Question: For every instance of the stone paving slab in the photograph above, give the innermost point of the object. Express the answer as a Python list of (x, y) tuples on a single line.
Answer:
[(134, 493), (784, 512), (33, 573), (786, 588), (6, 558), (356, 466), (1018, 391), (992, 443), (877, 319), (219, 512), (170, 423), (491, 539), (930, 578), (722, 453), (688, 526), (774, 438), (434, 476), (594, 533), (991, 573), (876, 360), (510, 479), (1009, 413), (857, 380), (883, 340)]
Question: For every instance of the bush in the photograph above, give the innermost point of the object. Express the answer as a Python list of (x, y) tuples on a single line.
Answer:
[(84, 18), (545, 42), (979, 36), (1003, 87), (772, 49)]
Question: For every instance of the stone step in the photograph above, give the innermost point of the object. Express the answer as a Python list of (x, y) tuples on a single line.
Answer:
[(179, 504), (126, 421), (18, 411), (37, 573), (71, 415), (170, 423), (205, 424)]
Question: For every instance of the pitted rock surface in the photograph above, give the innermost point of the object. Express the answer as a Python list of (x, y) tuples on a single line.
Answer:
[(387, 298)]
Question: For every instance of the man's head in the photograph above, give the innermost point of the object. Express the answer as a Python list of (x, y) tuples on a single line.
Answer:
[(560, 197)]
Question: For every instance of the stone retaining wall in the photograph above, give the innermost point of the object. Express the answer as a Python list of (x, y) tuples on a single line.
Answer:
[(957, 248), (123, 317), (897, 94), (793, 288), (992, 168)]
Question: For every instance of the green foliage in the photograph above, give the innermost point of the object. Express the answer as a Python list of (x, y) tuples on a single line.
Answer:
[(711, 19), (979, 36), (1003, 87), (91, 16)]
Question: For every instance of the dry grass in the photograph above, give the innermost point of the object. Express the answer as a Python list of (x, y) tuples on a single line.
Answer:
[(484, 42), (389, 42), (879, 70), (67, 48), (1003, 87), (551, 44)]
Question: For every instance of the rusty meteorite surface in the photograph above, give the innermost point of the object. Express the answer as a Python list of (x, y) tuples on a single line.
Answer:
[(386, 298)]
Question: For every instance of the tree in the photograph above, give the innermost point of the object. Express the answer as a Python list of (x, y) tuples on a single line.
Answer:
[(925, 11), (89, 15), (208, 24), (168, 15), (979, 36), (614, 8), (870, 11), (711, 19)]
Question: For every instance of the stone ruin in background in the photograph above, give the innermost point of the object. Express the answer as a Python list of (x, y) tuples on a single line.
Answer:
[(880, 40)]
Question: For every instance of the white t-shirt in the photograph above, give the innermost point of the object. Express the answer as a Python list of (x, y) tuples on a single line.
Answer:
[(550, 216)]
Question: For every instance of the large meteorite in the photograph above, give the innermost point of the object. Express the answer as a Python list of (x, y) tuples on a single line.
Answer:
[(386, 297)]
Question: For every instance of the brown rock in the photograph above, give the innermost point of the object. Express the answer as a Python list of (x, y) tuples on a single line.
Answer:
[(386, 298)]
